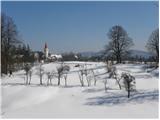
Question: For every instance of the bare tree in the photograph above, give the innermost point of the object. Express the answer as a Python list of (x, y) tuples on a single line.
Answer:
[(9, 39), (61, 70), (50, 76), (65, 78), (89, 77), (94, 77), (66, 69), (80, 74), (27, 69), (40, 73), (84, 72), (30, 75), (153, 44), (60, 73), (119, 44), (113, 74), (108, 67), (105, 84), (129, 82)]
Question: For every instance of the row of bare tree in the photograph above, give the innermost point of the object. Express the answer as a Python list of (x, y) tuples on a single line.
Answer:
[(62, 72), (124, 80)]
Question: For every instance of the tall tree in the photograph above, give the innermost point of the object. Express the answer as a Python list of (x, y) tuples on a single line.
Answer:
[(119, 42), (153, 44), (8, 41)]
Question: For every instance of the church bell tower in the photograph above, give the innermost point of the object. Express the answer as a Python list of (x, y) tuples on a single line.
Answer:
[(46, 51)]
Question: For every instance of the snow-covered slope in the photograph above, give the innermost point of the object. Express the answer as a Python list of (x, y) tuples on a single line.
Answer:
[(42, 101)]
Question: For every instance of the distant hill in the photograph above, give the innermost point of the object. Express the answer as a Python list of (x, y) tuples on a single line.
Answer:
[(133, 53), (140, 53)]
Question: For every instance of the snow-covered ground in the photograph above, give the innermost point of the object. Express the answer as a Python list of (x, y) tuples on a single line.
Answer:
[(42, 101)]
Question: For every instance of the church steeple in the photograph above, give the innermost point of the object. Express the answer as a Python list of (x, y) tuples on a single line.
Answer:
[(45, 45), (46, 50)]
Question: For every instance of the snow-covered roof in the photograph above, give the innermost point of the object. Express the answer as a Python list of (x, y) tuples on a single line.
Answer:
[(57, 56)]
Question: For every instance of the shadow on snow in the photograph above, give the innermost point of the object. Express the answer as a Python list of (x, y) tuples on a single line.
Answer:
[(118, 99), (39, 85)]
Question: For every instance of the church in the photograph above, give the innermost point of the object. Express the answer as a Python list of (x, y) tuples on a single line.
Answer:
[(50, 56)]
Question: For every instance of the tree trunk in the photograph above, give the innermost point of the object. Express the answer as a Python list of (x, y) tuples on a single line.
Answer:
[(95, 80), (128, 90), (128, 93), (87, 81), (65, 82), (6, 65), (120, 59), (81, 79), (30, 80), (105, 87), (82, 82), (59, 80), (26, 78), (51, 81), (117, 59), (119, 85), (40, 80)]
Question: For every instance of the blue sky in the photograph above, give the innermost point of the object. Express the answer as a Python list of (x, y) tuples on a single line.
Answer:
[(81, 26)]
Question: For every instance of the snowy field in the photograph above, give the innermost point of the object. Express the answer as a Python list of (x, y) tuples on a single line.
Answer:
[(42, 101)]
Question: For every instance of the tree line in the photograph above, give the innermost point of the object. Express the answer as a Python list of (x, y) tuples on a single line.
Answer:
[(13, 50)]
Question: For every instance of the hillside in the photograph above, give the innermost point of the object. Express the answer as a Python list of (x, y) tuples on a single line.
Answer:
[(133, 53)]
